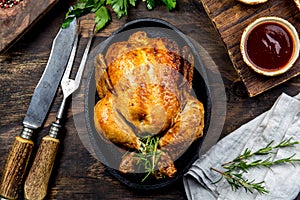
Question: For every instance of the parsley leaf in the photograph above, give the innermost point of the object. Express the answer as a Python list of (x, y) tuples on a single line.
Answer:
[(102, 15), (150, 4), (67, 22), (171, 4), (132, 2), (119, 6), (98, 4)]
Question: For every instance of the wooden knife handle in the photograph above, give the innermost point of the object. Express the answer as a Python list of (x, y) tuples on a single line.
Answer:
[(15, 168), (36, 183)]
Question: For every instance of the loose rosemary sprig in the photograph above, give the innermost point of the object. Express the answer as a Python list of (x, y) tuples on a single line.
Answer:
[(263, 151), (237, 181), (238, 166), (149, 155)]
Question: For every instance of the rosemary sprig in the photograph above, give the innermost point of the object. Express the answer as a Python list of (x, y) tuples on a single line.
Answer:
[(263, 151), (245, 166), (237, 181), (149, 155), (238, 166)]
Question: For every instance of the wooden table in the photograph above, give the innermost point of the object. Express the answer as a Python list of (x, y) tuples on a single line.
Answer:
[(77, 174)]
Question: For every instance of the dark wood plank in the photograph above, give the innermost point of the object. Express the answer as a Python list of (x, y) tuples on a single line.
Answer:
[(231, 17), (15, 21), (77, 174)]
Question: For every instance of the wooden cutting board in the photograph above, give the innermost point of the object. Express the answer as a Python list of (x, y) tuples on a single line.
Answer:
[(231, 17), (16, 20)]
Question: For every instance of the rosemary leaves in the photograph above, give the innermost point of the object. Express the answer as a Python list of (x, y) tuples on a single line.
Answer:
[(234, 170), (149, 155)]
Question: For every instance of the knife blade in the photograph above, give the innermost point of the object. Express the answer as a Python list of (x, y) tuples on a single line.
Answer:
[(47, 86), (16, 164)]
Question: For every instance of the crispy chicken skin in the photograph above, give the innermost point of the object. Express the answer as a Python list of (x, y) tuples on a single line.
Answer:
[(145, 85)]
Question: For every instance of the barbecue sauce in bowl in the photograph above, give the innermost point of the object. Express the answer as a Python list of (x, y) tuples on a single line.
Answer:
[(269, 46)]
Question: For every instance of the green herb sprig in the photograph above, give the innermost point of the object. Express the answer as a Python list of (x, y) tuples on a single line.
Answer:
[(149, 155), (238, 166), (237, 181), (102, 14)]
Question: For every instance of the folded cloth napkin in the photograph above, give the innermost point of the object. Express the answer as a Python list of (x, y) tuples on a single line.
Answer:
[(282, 181)]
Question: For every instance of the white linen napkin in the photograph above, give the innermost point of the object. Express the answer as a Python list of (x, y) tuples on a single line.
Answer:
[(282, 181)]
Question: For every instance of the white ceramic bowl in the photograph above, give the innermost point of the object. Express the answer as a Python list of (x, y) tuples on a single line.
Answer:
[(295, 50)]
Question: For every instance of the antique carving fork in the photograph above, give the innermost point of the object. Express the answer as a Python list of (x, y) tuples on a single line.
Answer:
[(36, 183)]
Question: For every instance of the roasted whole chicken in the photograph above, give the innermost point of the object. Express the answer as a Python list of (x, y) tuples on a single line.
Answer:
[(145, 90)]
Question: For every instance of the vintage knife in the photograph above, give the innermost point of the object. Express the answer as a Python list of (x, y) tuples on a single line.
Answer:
[(15, 168), (36, 184)]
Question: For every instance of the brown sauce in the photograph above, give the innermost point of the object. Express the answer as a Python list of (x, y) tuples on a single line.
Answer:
[(269, 46)]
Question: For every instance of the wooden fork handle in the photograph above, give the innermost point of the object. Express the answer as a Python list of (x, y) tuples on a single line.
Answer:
[(36, 184)]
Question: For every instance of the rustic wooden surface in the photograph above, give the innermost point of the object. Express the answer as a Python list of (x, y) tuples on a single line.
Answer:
[(238, 16), (15, 21), (77, 174)]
